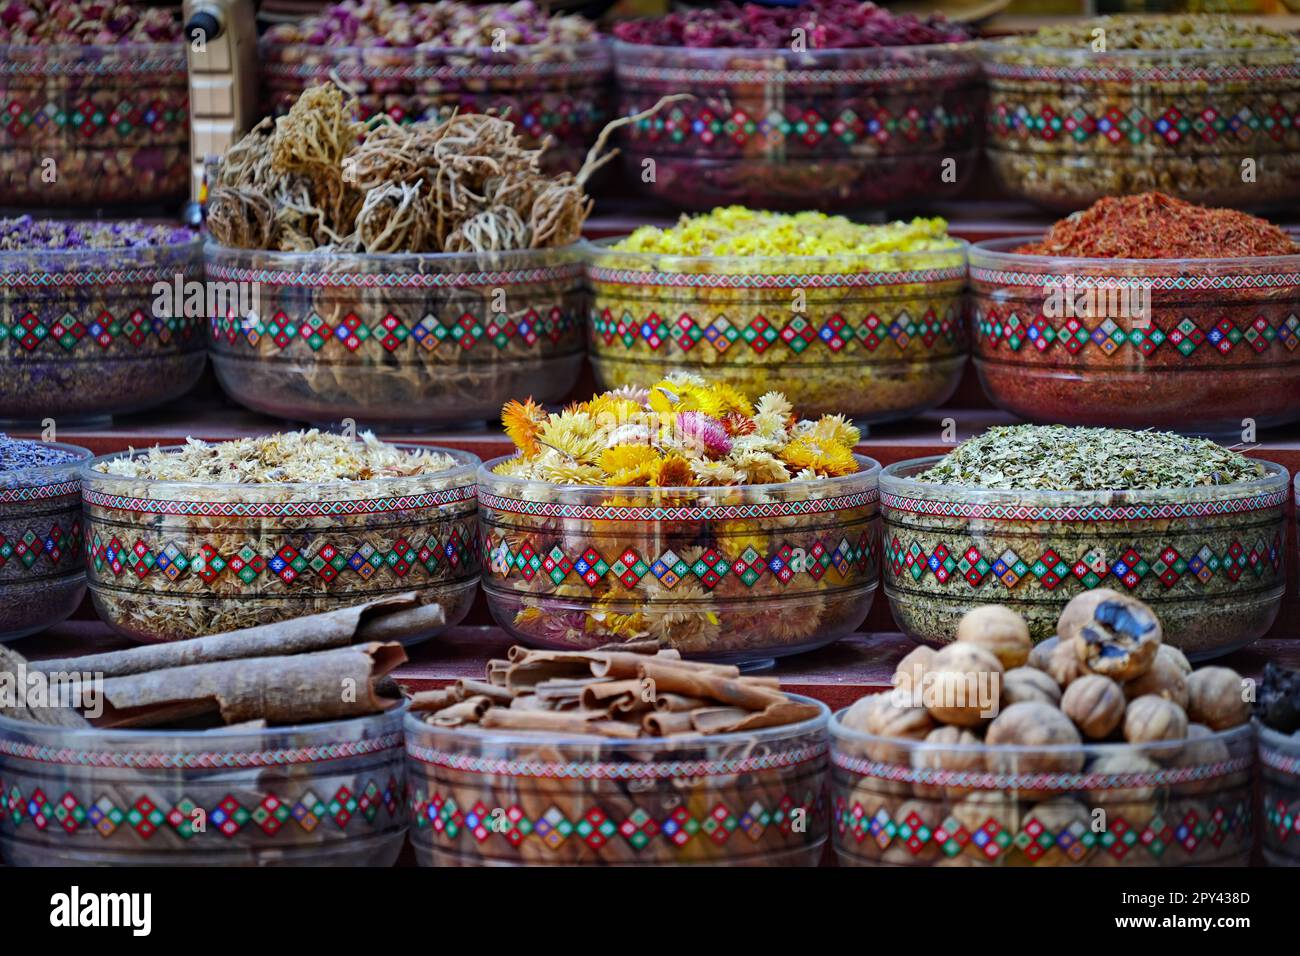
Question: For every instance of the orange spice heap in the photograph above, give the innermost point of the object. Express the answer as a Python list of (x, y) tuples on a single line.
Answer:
[(1156, 226)]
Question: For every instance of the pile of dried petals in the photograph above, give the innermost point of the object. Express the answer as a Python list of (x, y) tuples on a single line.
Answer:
[(319, 180), (682, 432), (86, 22), (625, 690)]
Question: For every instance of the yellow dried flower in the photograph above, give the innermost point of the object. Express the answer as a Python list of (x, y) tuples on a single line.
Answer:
[(826, 458), (572, 433), (521, 421), (671, 472), (836, 429), (626, 457)]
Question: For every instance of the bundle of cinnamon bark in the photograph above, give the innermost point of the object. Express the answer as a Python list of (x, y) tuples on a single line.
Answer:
[(622, 691), (319, 667)]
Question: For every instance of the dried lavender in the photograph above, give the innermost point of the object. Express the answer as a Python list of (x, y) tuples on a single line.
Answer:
[(17, 454), (25, 232)]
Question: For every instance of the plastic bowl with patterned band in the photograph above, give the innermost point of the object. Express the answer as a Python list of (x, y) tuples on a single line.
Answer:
[(1066, 127), (776, 129), (1279, 774), (737, 574), (169, 560), (493, 798), (85, 335), (1209, 560), (556, 90), (94, 125), (1203, 345), (397, 339), (42, 569), (875, 337), (900, 802), (327, 794)]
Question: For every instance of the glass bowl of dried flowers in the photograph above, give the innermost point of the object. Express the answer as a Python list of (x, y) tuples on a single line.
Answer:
[(865, 320), (1279, 758), (685, 514), (415, 274), (1142, 311), (1202, 107), (84, 331), (203, 538), (550, 771), (323, 794), (1029, 516), (42, 572)]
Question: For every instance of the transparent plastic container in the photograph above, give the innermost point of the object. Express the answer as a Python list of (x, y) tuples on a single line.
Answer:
[(170, 560), (878, 337), (1279, 775), (327, 794), (560, 90), (1066, 127), (114, 120), (1198, 345), (737, 574), (84, 335), (488, 798), (42, 561), (825, 129), (901, 802), (1209, 560), (395, 339)]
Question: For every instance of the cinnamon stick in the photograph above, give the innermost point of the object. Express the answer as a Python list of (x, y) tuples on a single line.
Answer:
[(693, 683), (574, 722)]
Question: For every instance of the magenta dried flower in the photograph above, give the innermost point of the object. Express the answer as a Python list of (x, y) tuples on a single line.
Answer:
[(705, 432)]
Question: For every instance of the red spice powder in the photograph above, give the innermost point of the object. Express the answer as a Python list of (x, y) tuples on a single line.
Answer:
[(1156, 226)]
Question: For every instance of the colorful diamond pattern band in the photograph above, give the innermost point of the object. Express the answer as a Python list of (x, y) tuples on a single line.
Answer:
[(830, 280), (94, 278), (273, 814), (700, 78), (68, 332), (710, 567), (198, 760), (995, 511), (279, 509), (902, 332), (459, 333), (1168, 126), (53, 544), (400, 280), (1049, 569), (1282, 819), (1220, 73), (324, 561), (39, 492), (21, 117), (597, 770), (1155, 283), (596, 827), (1190, 831), (1013, 332), (759, 509)]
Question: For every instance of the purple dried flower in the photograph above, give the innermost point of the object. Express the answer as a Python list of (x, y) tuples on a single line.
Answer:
[(705, 432)]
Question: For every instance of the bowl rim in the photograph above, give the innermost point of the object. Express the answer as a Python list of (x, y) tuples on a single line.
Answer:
[(595, 43), (190, 246), (70, 736), (413, 724), (179, 45), (593, 249), (838, 733), (815, 53), (1275, 739), (993, 45), (485, 478), (467, 464), (212, 248), (1276, 478), (992, 252), (46, 474)]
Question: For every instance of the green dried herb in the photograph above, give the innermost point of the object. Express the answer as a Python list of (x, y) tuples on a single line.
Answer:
[(1033, 457)]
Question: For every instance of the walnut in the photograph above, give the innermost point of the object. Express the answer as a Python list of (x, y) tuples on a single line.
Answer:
[(1033, 725), (1164, 678), (1021, 684), (1215, 698), (1151, 719), (999, 630), (882, 715), (945, 749), (910, 672), (1042, 653), (1115, 635), (1095, 704), (1125, 761), (1064, 667), (963, 685), (1176, 657)]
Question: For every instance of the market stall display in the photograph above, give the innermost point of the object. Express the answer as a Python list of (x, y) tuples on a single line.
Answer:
[(836, 103), (548, 74), (1029, 516), (840, 317), (1160, 755), (1141, 312), (84, 333), (685, 514), (195, 539), (95, 104), (617, 757), (1201, 107), (42, 574), (409, 274)]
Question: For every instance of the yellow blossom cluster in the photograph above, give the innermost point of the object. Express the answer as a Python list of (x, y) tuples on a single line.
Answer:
[(682, 432)]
